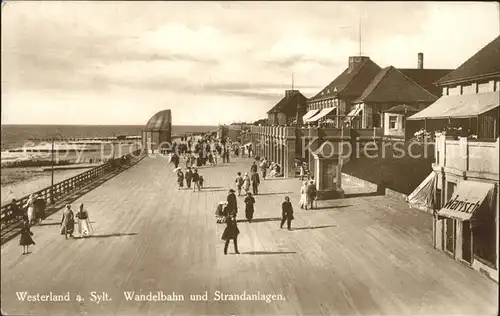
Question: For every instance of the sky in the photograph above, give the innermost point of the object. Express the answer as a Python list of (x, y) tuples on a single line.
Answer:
[(118, 63)]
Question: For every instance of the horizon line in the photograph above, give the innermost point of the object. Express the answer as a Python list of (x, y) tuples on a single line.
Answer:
[(103, 124)]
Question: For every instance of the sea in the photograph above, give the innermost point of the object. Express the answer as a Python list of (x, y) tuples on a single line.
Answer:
[(15, 136)]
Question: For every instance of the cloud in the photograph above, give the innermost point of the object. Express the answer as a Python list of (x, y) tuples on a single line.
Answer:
[(236, 57)]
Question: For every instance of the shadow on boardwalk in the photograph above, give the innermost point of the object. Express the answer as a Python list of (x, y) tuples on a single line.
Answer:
[(274, 193), (254, 253), (110, 235), (329, 208), (313, 227), (357, 195), (260, 220), (10, 232)]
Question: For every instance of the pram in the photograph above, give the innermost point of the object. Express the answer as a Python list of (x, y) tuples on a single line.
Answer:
[(221, 212)]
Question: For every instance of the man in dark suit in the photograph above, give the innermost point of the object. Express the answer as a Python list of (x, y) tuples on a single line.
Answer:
[(189, 177), (286, 213), (232, 206), (255, 182), (311, 193), (253, 168)]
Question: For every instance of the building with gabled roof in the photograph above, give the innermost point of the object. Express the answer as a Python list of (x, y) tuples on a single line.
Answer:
[(470, 96), (336, 98), (285, 111), (389, 88), (465, 176)]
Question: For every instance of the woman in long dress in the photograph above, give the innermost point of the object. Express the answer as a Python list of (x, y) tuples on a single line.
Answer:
[(246, 183), (26, 239), (249, 209), (180, 179), (83, 222), (303, 195), (30, 204), (67, 222)]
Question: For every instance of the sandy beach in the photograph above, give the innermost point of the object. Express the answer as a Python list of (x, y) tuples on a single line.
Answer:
[(18, 182)]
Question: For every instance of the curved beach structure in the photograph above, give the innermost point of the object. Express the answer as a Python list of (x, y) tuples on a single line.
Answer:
[(157, 133)]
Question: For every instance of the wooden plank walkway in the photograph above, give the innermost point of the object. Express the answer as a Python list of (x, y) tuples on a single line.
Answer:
[(366, 255)]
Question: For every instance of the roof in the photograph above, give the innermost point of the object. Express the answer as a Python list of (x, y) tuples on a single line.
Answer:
[(288, 101), (351, 83), (459, 106), (484, 64), (402, 108), (390, 85), (160, 121), (426, 78)]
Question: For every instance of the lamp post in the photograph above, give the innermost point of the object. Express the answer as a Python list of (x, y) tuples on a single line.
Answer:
[(52, 168)]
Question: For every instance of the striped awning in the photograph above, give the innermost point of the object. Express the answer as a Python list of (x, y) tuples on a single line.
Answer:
[(324, 112), (354, 112), (309, 114)]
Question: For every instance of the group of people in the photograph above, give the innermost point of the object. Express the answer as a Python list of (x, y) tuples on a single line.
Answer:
[(192, 177), (308, 194), (84, 228), (227, 211), (33, 211)]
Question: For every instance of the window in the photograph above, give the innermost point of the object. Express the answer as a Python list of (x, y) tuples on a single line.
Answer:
[(393, 122)]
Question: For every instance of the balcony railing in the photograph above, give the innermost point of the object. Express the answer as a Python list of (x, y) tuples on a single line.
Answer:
[(467, 155)]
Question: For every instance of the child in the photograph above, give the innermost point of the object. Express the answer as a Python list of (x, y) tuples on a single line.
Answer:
[(200, 181), (26, 239)]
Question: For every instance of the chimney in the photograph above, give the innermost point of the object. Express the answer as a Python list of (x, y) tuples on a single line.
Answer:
[(420, 64), (289, 93), (354, 61)]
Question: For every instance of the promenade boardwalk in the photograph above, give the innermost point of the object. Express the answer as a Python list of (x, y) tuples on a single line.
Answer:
[(365, 254)]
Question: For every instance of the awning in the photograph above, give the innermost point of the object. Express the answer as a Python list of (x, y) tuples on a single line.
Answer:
[(309, 114), (467, 198), (324, 112), (354, 112), (423, 196), (459, 106)]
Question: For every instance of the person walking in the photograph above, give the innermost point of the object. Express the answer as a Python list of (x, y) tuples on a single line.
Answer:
[(67, 222), (255, 183), (26, 239), (232, 205), (40, 206), (263, 168), (15, 211), (231, 232), (180, 179), (175, 159), (83, 222), (249, 208), (196, 180), (30, 204), (253, 168), (311, 193), (246, 183), (302, 172), (189, 177), (239, 183), (286, 213), (303, 196)]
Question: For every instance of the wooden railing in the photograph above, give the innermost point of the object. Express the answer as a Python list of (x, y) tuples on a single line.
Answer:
[(62, 189)]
